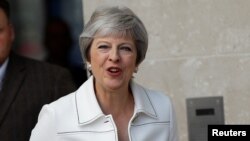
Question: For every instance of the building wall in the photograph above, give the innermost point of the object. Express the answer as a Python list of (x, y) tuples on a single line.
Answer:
[(197, 48)]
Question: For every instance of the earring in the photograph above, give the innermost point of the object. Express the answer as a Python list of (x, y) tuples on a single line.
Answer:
[(89, 67), (136, 70)]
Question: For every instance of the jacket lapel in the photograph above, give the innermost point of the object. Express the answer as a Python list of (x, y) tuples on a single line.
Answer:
[(85, 98), (142, 100), (15, 74)]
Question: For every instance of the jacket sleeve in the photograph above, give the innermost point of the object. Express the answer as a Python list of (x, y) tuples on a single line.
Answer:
[(45, 129)]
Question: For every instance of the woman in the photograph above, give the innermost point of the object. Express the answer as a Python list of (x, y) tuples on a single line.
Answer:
[(110, 106)]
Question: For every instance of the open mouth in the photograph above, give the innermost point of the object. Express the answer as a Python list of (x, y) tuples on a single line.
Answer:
[(114, 71)]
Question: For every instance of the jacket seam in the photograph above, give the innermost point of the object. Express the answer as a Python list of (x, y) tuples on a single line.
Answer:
[(163, 122), (61, 133), (155, 114), (77, 108)]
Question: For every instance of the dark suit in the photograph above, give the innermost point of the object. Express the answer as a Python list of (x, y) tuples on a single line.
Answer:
[(28, 85)]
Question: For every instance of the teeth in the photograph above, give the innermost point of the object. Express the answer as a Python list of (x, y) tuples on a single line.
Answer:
[(113, 70)]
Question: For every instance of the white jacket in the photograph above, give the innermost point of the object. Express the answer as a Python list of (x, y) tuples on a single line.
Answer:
[(78, 117)]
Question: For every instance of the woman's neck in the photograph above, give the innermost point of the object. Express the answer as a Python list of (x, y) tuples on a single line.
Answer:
[(120, 104), (114, 102)]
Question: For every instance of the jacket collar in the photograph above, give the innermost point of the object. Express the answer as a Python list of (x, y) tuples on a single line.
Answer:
[(87, 105), (142, 100), (88, 109)]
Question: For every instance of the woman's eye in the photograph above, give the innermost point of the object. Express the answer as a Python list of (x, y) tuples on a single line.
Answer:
[(102, 47), (126, 48)]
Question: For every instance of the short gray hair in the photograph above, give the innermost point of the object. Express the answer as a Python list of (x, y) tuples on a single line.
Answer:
[(114, 21)]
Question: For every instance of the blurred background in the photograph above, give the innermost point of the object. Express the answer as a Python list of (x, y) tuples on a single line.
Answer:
[(48, 30), (199, 51)]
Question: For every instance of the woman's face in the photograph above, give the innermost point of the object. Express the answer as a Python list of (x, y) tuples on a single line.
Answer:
[(113, 61)]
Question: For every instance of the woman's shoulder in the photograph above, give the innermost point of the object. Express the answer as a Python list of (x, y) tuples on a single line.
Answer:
[(159, 101), (60, 106), (61, 109), (158, 97), (63, 102), (153, 94)]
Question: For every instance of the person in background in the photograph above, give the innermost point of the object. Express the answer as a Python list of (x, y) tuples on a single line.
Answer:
[(110, 105), (58, 43), (25, 85)]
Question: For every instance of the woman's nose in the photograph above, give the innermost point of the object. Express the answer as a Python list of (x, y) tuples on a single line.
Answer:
[(114, 55)]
